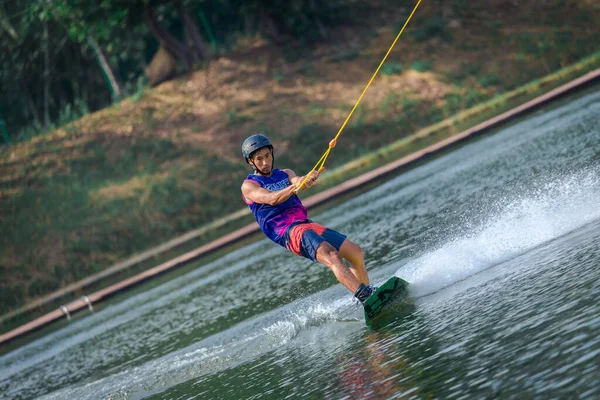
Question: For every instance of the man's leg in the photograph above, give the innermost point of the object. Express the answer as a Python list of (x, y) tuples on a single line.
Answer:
[(328, 255), (354, 254)]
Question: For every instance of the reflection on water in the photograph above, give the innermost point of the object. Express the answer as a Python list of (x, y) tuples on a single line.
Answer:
[(499, 240)]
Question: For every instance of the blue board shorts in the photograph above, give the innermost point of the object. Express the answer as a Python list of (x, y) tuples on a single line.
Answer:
[(304, 238)]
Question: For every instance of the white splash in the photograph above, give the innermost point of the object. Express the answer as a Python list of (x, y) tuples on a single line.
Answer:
[(545, 213)]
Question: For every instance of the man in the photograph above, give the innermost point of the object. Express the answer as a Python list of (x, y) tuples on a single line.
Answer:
[(271, 195)]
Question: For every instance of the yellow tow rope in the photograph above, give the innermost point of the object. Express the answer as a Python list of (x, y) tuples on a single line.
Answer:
[(319, 165)]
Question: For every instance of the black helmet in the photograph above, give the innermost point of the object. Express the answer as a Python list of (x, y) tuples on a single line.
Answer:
[(253, 143)]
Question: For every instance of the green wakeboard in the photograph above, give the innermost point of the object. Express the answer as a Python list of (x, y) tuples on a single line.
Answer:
[(390, 299)]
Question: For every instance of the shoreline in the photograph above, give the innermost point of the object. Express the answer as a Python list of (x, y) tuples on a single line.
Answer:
[(239, 234)]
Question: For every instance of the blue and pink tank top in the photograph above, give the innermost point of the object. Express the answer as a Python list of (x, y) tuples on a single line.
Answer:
[(274, 220)]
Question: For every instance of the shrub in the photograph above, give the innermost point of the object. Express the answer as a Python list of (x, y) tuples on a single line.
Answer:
[(435, 27), (42, 286), (489, 80), (421, 65), (391, 68), (234, 118), (11, 297)]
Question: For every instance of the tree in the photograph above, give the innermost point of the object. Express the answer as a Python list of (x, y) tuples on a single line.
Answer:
[(190, 51), (62, 58)]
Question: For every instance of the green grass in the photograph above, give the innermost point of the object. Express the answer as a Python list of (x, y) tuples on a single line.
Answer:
[(235, 118), (421, 65), (432, 28), (391, 68)]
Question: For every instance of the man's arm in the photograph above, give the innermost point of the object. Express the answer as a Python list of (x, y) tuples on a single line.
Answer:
[(253, 192), (297, 180)]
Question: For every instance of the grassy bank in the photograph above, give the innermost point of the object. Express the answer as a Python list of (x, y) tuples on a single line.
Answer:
[(81, 198)]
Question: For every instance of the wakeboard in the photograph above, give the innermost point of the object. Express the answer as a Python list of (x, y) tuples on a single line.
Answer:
[(390, 299)]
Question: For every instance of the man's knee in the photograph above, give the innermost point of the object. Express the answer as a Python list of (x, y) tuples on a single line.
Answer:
[(352, 252), (326, 252), (359, 252)]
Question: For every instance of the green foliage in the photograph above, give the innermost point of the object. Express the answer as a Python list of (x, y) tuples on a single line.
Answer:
[(235, 118), (473, 98), (119, 28), (72, 112), (421, 65), (315, 109), (82, 18), (148, 118), (306, 69), (29, 132), (137, 89), (170, 199), (60, 273), (42, 286), (309, 139), (408, 103), (297, 52), (454, 103), (434, 27), (390, 104), (11, 297), (391, 68), (489, 80), (305, 20)]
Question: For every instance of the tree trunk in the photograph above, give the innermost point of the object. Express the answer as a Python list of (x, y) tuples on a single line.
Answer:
[(5, 23), (199, 50), (46, 76), (272, 29), (169, 42), (161, 68), (30, 104), (314, 7), (115, 89)]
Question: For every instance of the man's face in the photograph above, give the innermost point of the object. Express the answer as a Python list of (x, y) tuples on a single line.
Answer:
[(263, 160)]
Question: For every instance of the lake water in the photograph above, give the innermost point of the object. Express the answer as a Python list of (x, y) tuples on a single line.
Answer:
[(499, 239)]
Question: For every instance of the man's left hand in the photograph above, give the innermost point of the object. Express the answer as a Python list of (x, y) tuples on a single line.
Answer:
[(312, 178)]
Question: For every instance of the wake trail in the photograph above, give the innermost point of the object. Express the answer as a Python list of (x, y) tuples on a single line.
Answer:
[(530, 220)]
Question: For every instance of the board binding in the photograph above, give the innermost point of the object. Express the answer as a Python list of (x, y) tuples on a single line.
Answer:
[(392, 296)]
